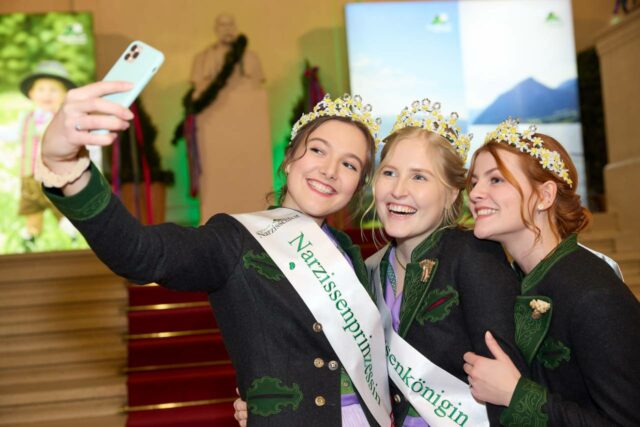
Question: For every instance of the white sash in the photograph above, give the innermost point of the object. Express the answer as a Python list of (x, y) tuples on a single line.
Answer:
[(440, 398), (329, 287)]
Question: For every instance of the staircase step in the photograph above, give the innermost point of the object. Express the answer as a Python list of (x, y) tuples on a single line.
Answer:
[(182, 319), (175, 350), (632, 280), (602, 221), (51, 292), (108, 421), (629, 262), (179, 385), (599, 241), (49, 358), (61, 372), (146, 295), (62, 325), (62, 391), (79, 410), (62, 341), (218, 415), (15, 315), (60, 265)]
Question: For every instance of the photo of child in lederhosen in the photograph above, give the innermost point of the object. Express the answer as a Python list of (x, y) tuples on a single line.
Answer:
[(46, 87)]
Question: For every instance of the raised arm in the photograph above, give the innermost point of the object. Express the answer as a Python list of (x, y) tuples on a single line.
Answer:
[(178, 257), (68, 133)]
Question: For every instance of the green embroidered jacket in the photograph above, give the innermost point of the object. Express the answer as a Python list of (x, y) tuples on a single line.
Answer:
[(583, 351), (286, 369), (471, 289)]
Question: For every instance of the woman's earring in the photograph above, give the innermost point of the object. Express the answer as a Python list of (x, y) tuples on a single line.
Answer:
[(540, 206)]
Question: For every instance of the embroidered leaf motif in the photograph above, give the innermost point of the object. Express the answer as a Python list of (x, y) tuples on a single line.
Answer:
[(552, 353), (438, 304), (262, 264), (268, 396), (525, 409)]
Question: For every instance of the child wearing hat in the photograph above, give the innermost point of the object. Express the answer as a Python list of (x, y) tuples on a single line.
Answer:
[(46, 87)]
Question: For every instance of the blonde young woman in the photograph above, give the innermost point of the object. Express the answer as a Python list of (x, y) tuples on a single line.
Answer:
[(576, 321), (444, 288), (287, 361)]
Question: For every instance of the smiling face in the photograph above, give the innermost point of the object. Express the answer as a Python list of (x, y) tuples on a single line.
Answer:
[(410, 197), (47, 94), (495, 203), (325, 173)]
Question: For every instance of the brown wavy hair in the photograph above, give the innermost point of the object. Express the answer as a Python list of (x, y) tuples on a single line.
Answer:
[(302, 138), (566, 214)]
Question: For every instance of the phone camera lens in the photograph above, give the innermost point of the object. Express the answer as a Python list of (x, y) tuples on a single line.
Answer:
[(134, 47), (126, 57), (135, 55)]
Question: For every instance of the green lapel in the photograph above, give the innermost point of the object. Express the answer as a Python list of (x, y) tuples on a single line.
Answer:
[(415, 290), (353, 252), (530, 331), (536, 275)]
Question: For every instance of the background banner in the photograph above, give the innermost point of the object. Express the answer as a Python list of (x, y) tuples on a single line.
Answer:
[(41, 57)]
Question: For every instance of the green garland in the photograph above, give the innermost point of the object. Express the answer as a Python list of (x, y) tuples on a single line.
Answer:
[(232, 57)]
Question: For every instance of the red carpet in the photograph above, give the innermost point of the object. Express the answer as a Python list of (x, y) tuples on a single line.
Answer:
[(176, 385), (220, 415), (176, 350), (181, 319), (145, 295), (161, 340), (201, 395)]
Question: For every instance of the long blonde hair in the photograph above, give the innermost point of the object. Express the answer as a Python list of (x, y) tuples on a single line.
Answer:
[(449, 169)]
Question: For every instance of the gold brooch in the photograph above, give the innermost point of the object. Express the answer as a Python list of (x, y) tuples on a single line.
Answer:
[(427, 267), (539, 308)]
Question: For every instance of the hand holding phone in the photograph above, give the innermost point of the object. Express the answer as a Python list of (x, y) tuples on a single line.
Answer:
[(137, 64)]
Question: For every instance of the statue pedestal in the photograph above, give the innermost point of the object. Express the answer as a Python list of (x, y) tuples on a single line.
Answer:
[(235, 151)]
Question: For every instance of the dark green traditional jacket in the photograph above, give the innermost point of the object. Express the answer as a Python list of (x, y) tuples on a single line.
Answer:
[(270, 334), (471, 289), (584, 352)]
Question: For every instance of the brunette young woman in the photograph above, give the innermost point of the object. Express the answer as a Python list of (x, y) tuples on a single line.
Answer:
[(288, 366)]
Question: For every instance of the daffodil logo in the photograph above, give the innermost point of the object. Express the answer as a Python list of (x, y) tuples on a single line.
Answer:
[(73, 34), (440, 23), (552, 18)]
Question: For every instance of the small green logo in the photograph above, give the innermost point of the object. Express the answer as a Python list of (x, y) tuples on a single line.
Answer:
[(292, 265)]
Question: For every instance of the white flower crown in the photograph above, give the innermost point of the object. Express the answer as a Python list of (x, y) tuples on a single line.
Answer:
[(526, 142), (435, 122), (346, 106)]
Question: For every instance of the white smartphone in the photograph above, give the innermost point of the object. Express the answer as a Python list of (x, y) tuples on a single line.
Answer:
[(137, 64)]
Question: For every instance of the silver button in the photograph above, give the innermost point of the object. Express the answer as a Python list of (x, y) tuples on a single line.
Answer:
[(318, 363), (333, 365), (320, 400), (317, 327), (397, 398)]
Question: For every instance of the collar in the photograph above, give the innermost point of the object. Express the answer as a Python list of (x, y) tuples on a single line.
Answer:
[(567, 246)]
